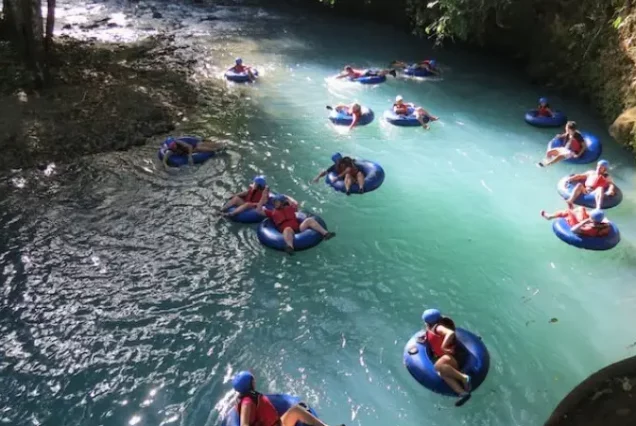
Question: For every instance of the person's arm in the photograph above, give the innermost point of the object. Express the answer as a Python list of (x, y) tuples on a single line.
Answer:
[(246, 411), (549, 111), (343, 174), (291, 201), (166, 155), (342, 75), (611, 189), (356, 118), (264, 197), (576, 178), (324, 173), (449, 337), (578, 226)]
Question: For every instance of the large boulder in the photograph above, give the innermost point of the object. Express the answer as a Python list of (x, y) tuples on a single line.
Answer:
[(623, 129)]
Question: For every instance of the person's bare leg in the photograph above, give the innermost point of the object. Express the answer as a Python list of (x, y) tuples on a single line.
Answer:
[(311, 223), (288, 236), (576, 192), (242, 208), (360, 177), (555, 159), (347, 183), (208, 146), (297, 414), (447, 369), (599, 195), (234, 201)]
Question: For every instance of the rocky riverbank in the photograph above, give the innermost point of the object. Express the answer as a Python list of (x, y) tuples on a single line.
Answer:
[(120, 75)]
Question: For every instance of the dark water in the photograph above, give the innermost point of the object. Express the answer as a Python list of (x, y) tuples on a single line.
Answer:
[(127, 300)]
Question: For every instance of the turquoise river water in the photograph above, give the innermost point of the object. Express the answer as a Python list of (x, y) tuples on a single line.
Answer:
[(126, 300)]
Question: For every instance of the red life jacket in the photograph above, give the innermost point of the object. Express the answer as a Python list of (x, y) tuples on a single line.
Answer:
[(285, 217), (595, 231), (596, 180), (575, 143), (435, 340), (572, 218), (177, 148), (544, 111), (263, 413), (254, 194), (239, 68)]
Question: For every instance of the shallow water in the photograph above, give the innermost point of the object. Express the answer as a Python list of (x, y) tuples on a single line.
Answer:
[(127, 300)]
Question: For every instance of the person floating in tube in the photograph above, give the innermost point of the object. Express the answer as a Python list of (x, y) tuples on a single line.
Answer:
[(402, 108), (429, 65), (544, 110), (597, 182), (254, 408), (354, 110), (574, 146), (179, 147), (581, 223), (440, 337), (349, 72), (249, 198), (344, 168), (239, 68), (284, 218)]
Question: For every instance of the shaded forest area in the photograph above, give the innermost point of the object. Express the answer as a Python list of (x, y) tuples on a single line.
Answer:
[(586, 48)]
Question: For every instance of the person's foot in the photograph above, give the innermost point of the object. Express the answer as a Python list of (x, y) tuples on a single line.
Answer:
[(348, 193), (329, 107), (361, 191), (329, 235), (539, 164), (289, 250), (393, 73), (463, 399)]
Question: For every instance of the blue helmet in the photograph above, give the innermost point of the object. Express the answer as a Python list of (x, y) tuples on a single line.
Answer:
[(597, 215), (603, 163), (242, 382), (336, 157), (260, 181), (280, 197), (432, 63), (431, 316), (543, 101), (238, 61)]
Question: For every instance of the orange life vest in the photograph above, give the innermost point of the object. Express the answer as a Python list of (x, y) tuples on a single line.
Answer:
[(285, 217), (263, 414)]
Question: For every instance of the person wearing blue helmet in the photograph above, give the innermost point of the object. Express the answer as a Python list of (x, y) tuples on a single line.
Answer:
[(429, 65), (439, 336), (248, 199), (595, 226), (283, 215), (344, 168), (543, 110), (239, 67), (255, 409), (597, 182)]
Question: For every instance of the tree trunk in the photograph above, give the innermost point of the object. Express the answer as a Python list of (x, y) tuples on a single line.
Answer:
[(8, 22), (26, 32), (50, 24)]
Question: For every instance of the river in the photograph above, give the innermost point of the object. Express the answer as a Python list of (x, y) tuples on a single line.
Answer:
[(127, 300)]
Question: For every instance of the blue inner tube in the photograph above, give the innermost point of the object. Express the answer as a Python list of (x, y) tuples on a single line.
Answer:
[(250, 215), (563, 231), (370, 79), (181, 160), (403, 120), (418, 361), (565, 190), (269, 236), (239, 77), (416, 71), (558, 119), (591, 154), (342, 119), (373, 177), (282, 403)]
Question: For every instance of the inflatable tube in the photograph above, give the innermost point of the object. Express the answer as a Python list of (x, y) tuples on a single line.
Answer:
[(370, 79), (269, 236), (373, 177), (416, 71), (591, 154), (250, 215), (282, 403), (240, 77), (343, 119), (419, 362), (558, 119), (563, 231), (403, 120), (565, 189), (182, 160)]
